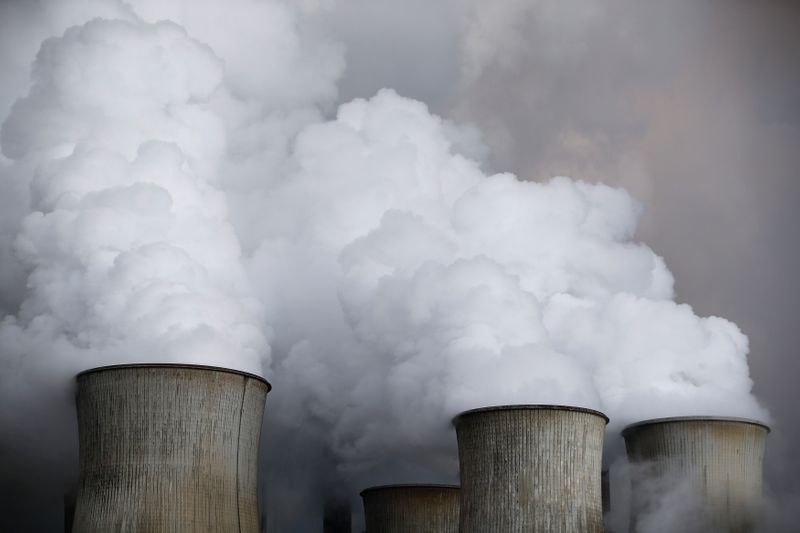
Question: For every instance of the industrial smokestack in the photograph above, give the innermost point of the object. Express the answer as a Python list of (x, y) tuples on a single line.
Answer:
[(411, 509), (711, 466), (530, 468), (167, 447)]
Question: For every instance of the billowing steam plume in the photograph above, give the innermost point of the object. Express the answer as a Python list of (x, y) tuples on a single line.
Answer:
[(127, 246), (176, 194)]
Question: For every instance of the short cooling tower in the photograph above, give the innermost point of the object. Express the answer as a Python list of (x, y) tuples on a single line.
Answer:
[(337, 516), (531, 468), (168, 447), (710, 467), (411, 509)]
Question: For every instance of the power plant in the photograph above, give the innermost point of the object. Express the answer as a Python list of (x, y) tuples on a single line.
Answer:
[(713, 463), (174, 448), (411, 508), (168, 447), (530, 468)]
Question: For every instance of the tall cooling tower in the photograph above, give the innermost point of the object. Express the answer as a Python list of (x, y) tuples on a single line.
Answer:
[(531, 468), (411, 509), (167, 447), (709, 468)]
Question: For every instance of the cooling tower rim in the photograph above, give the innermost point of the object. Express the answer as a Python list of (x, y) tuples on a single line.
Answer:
[(530, 407), (410, 486), (676, 419), (177, 365)]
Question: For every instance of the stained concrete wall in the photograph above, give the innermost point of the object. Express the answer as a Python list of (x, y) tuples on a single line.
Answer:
[(530, 468), (168, 448), (411, 509), (711, 468)]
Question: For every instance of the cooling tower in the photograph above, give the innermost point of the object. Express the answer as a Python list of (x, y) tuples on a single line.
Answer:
[(167, 447), (709, 468), (530, 468), (337, 516), (411, 509)]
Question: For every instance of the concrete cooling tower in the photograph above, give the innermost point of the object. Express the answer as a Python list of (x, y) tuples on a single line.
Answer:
[(168, 447), (411, 509), (530, 468), (709, 467), (337, 516)]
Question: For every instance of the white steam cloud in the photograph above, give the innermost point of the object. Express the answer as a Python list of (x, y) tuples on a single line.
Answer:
[(127, 247), (178, 195), (450, 289)]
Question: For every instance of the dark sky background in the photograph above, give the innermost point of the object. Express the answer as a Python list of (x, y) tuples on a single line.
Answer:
[(694, 106)]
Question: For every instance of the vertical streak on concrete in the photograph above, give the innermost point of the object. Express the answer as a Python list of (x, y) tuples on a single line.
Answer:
[(168, 448), (530, 468), (247, 471), (238, 464)]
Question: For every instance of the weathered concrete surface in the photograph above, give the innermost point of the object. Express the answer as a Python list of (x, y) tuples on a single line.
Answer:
[(411, 509), (168, 448), (716, 462), (530, 468)]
